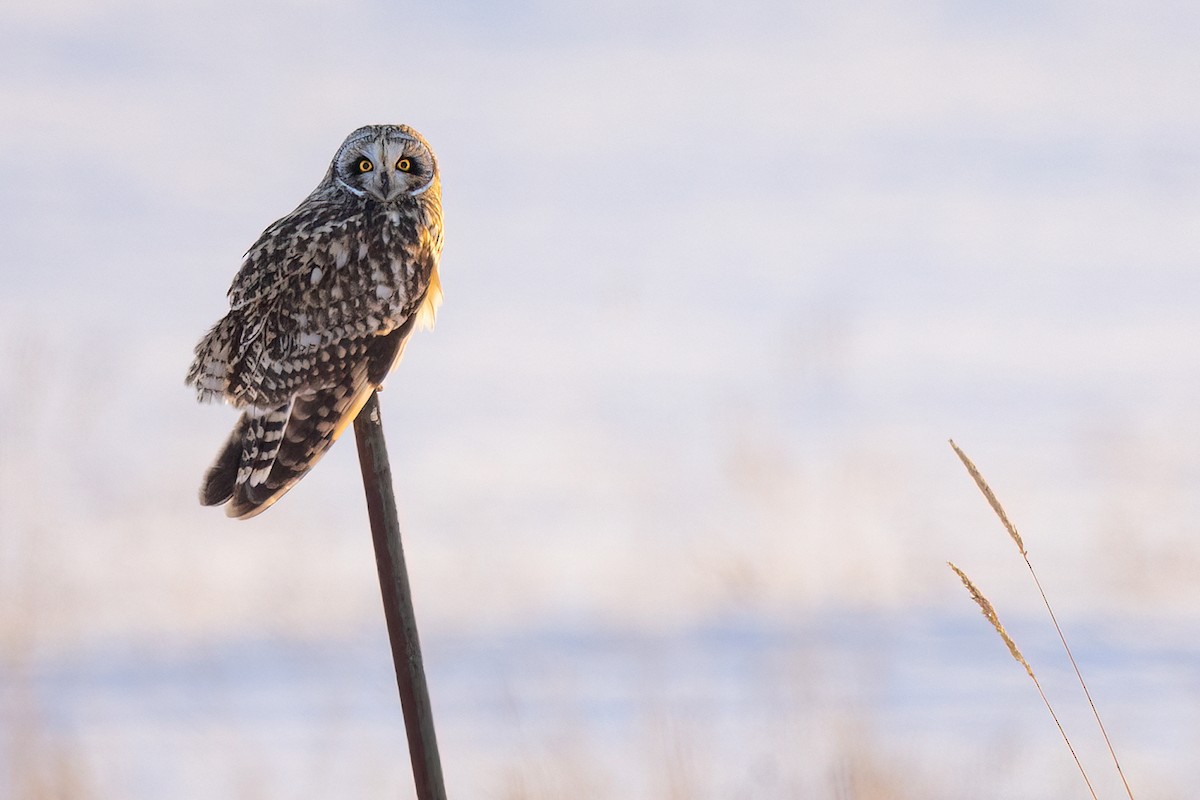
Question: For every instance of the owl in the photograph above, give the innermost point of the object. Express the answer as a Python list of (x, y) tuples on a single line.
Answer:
[(320, 311)]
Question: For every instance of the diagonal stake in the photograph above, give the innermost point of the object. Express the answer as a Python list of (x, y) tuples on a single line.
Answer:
[(397, 602)]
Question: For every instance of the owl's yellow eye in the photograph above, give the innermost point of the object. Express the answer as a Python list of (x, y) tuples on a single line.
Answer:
[(404, 165), (365, 165)]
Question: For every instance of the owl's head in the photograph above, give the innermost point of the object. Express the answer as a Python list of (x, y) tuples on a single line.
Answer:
[(385, 163)]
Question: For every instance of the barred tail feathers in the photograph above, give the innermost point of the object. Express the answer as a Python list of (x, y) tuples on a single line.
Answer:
[(270, 450), (317, 420), (221, 478), (248, 455)]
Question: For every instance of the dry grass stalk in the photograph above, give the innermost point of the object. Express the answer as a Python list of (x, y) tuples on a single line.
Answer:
[(991, 498), (1016, 537), (989, 611)]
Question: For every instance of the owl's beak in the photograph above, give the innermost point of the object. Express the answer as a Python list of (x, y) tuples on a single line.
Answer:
[(385, 186)]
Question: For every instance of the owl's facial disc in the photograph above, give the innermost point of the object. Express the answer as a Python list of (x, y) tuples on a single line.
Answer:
[(386, 166)]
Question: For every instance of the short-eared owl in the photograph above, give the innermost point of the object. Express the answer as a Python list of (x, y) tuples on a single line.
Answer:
[(319, 314)]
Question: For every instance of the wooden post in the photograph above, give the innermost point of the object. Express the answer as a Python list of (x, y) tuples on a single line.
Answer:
[(397, 602)]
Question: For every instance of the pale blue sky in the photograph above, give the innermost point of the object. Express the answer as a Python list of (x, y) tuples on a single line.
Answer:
[(683, 242)]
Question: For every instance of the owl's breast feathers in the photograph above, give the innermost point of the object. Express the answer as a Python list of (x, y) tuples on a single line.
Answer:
[(315, 282)]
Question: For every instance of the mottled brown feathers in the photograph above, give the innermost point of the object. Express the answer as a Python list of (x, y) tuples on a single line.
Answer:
[(319, 313)]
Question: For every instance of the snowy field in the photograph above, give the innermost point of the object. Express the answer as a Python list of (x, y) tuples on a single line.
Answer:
[(837, 705), (673, 467)]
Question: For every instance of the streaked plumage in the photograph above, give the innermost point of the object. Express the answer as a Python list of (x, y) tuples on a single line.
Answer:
[(320, 312)]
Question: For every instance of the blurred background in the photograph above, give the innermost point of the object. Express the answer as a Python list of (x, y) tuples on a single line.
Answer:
[(720, 283)]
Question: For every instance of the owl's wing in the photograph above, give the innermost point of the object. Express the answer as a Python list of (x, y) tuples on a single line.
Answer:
[(315, 235), (298, 318)]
